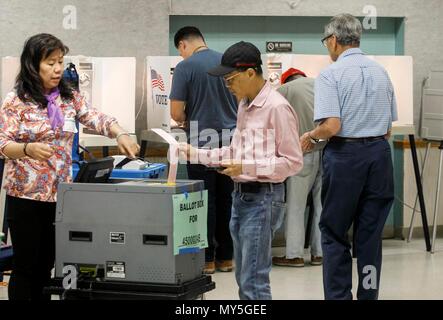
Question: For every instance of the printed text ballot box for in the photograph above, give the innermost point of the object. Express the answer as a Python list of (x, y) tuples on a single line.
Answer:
[(190, 222)]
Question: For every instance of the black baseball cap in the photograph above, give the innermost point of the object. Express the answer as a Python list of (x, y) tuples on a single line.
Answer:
[(241, 55)]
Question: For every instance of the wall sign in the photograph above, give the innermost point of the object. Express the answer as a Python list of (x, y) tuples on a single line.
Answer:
[(278, 46)]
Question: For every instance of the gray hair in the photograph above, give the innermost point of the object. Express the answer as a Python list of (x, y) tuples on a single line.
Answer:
[(346, 28)]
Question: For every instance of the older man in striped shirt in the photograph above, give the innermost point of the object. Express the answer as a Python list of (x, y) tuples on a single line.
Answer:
[(355, 107)]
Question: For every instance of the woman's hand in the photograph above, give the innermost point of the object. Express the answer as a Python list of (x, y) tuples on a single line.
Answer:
[(39, 151), (127, 146)]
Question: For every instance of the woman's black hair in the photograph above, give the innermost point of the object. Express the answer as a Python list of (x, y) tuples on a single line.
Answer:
[(29, 85)]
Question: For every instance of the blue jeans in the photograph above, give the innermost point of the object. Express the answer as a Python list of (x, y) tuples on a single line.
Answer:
[(254, 220)]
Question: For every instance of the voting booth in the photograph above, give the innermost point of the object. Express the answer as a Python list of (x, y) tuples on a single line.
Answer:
[(107, 83), (160, 72)]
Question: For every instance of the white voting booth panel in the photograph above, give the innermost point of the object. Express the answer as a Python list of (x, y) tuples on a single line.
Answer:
[(399, 69), (10, 69), (159, 70), (109, 83)]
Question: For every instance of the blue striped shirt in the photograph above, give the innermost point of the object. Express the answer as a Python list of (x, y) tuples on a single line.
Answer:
[(357, 90)]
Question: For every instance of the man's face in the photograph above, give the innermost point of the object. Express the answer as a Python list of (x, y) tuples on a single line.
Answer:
[(237, 83), (331, 45)]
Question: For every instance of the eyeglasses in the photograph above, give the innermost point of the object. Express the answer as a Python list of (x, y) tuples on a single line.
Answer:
[(228, 80), (323, 41)]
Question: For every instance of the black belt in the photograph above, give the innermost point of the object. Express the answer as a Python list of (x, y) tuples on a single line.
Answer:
[(254, 187), (368, 139)]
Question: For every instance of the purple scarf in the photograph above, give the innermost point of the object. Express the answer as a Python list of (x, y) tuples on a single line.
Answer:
[(55, 114)]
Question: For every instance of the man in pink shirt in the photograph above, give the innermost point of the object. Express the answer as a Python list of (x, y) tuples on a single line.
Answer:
[(264, 151)]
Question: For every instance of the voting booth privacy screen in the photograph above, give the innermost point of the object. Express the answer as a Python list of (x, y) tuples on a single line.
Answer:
[(432, 108), (108, 84), (159, 81), (160, 74)]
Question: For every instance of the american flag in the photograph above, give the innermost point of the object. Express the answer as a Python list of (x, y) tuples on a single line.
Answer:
[(156, 80)]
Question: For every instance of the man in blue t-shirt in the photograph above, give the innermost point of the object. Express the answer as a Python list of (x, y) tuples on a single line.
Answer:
[(207, 108)]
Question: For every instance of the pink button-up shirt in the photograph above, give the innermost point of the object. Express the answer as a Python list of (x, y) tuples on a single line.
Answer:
[(27, 122), (266, 140)]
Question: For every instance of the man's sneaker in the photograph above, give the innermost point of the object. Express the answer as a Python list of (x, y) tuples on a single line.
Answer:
[(316, 261), (224, 265), (209, 267), (283, 261)]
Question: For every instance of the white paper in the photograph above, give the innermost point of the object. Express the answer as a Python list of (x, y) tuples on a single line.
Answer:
[(173, 154)]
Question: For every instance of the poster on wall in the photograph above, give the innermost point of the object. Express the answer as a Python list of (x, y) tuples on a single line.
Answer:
[(274, 65), (85, 70), (85, 83), (160, 71), (86, 79)]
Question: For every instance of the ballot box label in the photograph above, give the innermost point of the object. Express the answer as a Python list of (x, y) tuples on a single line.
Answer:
[(117, 237), (115, 269), (190, 222)]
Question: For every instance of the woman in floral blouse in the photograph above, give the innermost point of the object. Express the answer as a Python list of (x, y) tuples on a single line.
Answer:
[(37, 127)]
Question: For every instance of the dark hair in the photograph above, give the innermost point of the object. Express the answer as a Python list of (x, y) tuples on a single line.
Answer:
[(29, 85), (187, 33)]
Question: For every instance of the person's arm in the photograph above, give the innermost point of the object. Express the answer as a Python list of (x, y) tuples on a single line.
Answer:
[(126, 144), (327, 110), (388, 135), (10, 124), (106, 126), (287, 159), (179, 93), (178, 111), (34, 150), (325, 130), (213, 157)]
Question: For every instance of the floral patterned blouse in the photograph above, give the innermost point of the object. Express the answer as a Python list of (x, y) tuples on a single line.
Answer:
[(26, 122)]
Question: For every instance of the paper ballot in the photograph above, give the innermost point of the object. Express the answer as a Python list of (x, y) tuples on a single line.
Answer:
[(173, 154)]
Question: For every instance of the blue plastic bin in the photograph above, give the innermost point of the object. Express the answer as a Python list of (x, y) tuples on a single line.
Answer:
[(154, 171)]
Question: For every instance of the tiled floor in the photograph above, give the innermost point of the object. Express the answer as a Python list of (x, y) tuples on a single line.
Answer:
[(409, 272)]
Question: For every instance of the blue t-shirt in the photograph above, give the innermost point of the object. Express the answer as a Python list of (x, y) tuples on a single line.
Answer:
[(207, 99)]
